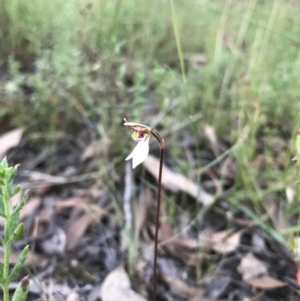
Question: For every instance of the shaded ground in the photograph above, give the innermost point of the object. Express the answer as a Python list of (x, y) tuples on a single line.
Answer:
[(211, 247)]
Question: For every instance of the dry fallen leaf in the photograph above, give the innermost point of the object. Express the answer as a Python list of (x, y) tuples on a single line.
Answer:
[(165, 228), (265, 283), (79, 202), (251, 267), (54, 244), (77, 226), (94, 148), (197, 298), (182, 248), (77, 229), (180, 288), (32, 258), (29, 207), (73, 296), (229, 244), (176, 182), (116, 286), (210, 134), (141, 209), (9, 140)]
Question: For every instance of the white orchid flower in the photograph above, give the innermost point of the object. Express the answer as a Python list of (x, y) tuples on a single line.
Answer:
[(141, 151), (142, 134)]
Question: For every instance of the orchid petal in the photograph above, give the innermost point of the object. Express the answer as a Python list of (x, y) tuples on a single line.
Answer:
[(140, 152)]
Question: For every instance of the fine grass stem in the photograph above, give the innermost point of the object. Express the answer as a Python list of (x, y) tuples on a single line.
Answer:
[(178, 44)]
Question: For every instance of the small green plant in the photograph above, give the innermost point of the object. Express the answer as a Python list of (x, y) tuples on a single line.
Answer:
[(13, 230), (141, 134)]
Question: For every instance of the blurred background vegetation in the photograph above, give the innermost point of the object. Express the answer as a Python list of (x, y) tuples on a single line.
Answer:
[(177, 65)]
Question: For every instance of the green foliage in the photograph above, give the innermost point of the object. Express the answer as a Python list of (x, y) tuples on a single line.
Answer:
[(19, 264), (1, 272), (298, 143), (13, 230), (22, 290), (81, 55)]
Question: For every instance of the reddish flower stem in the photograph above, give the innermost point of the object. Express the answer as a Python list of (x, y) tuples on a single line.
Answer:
[(142, 130), (161, 161)]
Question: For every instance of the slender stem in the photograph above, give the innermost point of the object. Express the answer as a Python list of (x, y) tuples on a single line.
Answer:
[(143, 129), (6, 246), (161, 161), (6, 272), (178, 43)]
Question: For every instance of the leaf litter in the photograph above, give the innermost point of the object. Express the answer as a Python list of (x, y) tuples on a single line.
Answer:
[(177, 182), (205, 252), (9, 140)]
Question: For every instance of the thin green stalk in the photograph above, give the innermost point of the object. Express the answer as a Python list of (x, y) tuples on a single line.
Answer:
[(6, 246), (178, 43), (6, 271)]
